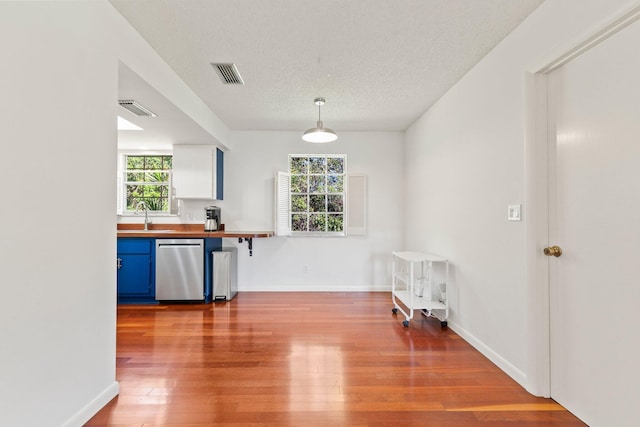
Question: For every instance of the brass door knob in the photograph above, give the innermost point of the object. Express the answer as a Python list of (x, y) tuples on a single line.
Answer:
[(555, 251)]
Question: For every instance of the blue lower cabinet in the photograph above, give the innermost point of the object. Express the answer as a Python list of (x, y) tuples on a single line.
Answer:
[(136, 270)]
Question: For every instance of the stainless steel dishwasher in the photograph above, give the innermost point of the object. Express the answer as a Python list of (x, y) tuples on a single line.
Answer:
[(179, 269)]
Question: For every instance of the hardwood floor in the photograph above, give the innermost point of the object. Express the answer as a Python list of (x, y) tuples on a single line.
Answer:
[(307, 359)]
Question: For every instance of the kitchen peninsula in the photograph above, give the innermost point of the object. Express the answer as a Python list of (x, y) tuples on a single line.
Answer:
[(190, 230), (136, 260), (185, 230)]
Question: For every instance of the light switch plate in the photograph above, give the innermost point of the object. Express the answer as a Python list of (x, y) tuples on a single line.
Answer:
[(514, 212)]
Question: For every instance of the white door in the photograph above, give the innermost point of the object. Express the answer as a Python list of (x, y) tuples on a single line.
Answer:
[(594, 122)]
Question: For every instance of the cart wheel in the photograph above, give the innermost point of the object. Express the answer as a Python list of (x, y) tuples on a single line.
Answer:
[(394, 310), (405, 323), (444, 323)]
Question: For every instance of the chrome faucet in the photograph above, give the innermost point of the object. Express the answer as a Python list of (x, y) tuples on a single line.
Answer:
[(142, 205)]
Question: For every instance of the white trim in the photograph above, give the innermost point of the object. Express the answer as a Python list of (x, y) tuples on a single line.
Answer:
[(121, 206), (599, 33), (536, 224), (318, 234), (515, 373), (160, 152), (92, 408), (119, 193), (537, 187), (320, 287)]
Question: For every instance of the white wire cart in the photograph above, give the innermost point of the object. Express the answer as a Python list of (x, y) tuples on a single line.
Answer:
[(414, 287)]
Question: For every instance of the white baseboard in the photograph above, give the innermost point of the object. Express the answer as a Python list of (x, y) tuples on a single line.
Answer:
[(92, 408), (494, 357), (316, 288)]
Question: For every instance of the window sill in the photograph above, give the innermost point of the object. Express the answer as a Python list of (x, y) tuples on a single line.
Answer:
[(150, 215), (316, 234)]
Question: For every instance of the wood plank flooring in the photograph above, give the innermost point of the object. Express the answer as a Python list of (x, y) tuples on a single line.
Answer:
[(307, 359)]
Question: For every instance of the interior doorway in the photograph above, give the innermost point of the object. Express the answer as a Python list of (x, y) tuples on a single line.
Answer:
[(590, 103)]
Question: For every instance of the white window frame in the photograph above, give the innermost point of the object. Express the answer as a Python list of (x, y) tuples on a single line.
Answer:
[(343, 193), (356, 205), (282, 205), (122, 183)]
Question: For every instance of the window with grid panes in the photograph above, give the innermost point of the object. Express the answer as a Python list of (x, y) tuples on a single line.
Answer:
[(147, 178), (317, 193)]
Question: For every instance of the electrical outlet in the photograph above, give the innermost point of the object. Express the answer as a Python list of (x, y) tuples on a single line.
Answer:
[(305, 268)]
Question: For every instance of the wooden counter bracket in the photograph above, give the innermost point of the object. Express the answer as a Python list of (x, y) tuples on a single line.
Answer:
[(249, 242)]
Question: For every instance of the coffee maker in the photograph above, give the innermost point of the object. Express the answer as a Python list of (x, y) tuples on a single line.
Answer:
[(212, 218)]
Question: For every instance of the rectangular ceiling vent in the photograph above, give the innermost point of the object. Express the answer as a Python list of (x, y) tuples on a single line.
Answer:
[(228, 73), (136, 108)]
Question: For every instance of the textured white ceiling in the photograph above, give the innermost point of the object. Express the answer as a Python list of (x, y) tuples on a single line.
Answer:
[(379, 63)]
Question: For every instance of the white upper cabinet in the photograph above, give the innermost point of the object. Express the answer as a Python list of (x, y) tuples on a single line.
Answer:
[(198, 172)]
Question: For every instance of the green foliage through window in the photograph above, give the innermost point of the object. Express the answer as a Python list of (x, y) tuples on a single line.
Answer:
[(148, 180), (317, 193)]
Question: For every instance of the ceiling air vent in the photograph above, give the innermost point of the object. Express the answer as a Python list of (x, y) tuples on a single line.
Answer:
[(228, 73), (136, 108)]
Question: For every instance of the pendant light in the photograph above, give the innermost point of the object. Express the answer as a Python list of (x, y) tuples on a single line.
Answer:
[(319, 134)]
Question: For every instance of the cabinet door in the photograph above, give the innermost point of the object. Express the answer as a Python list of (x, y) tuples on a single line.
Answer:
[(219, 174), (135, 245), (197, 172), (134, 275)]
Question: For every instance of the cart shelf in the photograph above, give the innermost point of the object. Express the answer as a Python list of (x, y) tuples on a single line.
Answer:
[(412, 286)]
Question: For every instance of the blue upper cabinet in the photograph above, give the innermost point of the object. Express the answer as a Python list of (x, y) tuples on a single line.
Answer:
[(198, 172), (219, 174)]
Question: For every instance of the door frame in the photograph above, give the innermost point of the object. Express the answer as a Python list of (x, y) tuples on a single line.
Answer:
[(539, 185)]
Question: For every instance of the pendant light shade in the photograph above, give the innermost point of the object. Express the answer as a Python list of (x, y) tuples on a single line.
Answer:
[(319, 134)]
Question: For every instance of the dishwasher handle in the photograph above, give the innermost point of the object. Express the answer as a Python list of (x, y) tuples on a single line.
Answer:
[(176, 243), (173, 245)]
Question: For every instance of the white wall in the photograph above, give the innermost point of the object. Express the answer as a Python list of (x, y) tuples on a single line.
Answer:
[(464, 164), (334, 263), (58, 278), (59, 87), (358, 263), (142, 59)]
